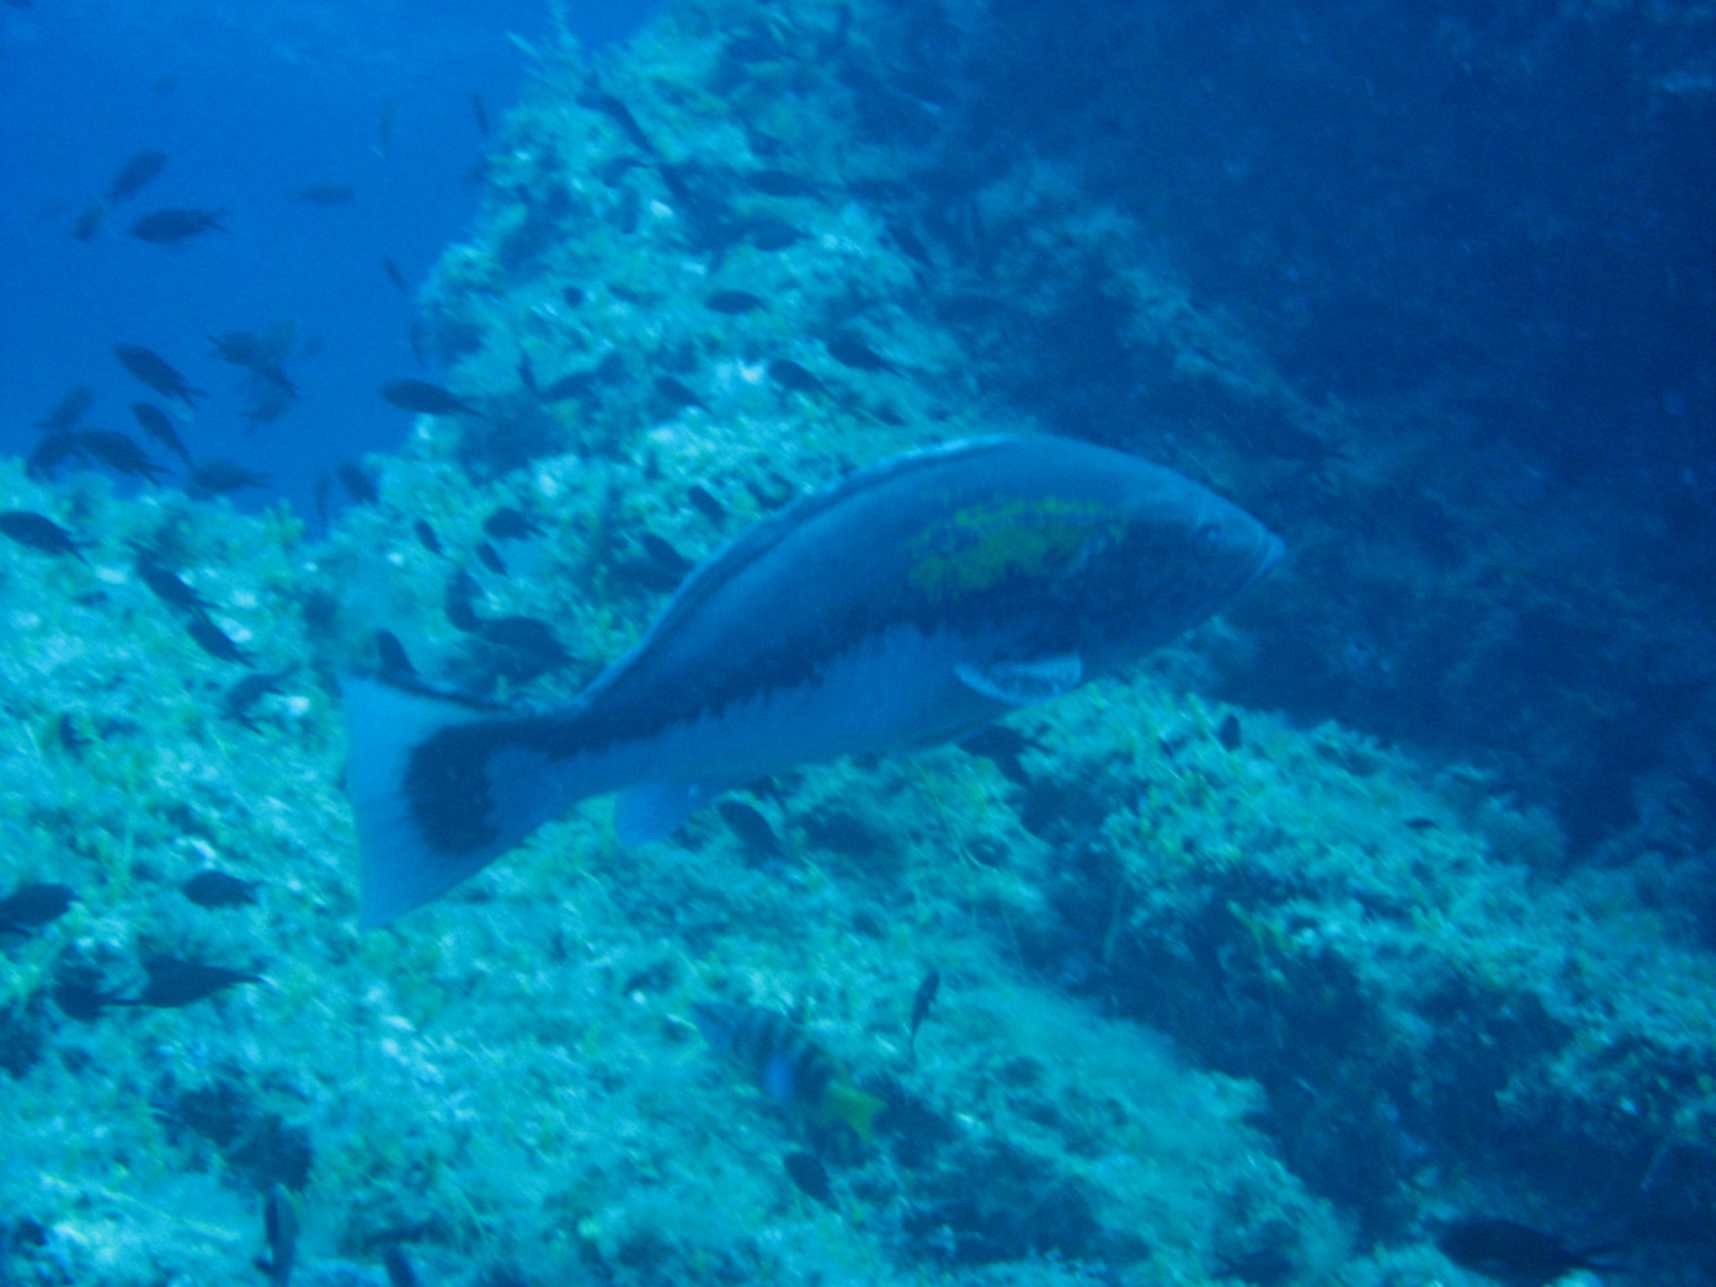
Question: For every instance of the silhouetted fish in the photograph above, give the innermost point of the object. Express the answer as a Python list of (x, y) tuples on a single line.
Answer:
[(734, 301), (29, 907), (222, 478), (163, 227), (602, 101), (68, 410), (394, 275), (173, 983), (426, 536), (214, 889), (155, 423), (50, 453), (243, 695), (88, 222), (215, 641), (39, 533), (811, 1177), (677, 394), (119, 453), (429, 399), (790, 375), (139, 171), (280, 1231), (1515, 1253), (166, 585), (510, 524), (154, 371), (849, 350), (922, 1000), (780, 183), (788, 1067), (358, 484), (480, 114)]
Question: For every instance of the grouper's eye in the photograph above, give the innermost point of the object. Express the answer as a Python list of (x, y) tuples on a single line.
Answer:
[(1209, 537)]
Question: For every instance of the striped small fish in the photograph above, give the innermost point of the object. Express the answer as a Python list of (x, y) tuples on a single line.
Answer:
[(788, 1067)]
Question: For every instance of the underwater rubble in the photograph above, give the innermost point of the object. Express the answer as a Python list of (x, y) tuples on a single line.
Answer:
[(1219, 997)]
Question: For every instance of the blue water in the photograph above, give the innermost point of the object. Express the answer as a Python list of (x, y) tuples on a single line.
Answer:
[(251, 103)]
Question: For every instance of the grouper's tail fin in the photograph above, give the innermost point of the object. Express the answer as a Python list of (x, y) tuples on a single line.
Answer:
[(428, 797)]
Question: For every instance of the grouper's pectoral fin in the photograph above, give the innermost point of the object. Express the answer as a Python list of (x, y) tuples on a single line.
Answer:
[(1021, 683), (655, 810)]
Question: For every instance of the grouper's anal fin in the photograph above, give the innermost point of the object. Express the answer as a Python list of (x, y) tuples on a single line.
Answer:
[(1023, 683), (655, 810)]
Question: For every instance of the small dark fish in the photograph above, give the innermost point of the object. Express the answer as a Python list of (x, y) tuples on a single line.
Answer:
[(358, 484), (678, 394), (153, 370), (426, 536), (165, 227), (848, 350), (750, 826), (787, 1066), (394, 275), (480, 114), (458, 602), (174, 983), (668, 563), (733, 302), (68, 410), (215, 641), (1515, 1253), (66, 729), (1420, 824), (922, 1000), (252, 349), (221, 478), (325, 194), (790, 375), (579, 384), (907, 241), (88, 222), (399, 1270), (771, 234), (526, 635), (119, 453), (248, 691), (280, 1230), (1230, 735), (156, 424), (136, 174), (394, 663), (811, 1177), (212, 889), (29, 907), (509, 524), (704, 502), (39, 533), (780, 183), (601, 101), (491, 558), (527, 376), (51, 452), (81, 999), (269, 395), (421, 396), (167, 585)]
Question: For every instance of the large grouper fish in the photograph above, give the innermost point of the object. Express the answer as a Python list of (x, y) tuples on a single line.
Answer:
[(904, 605)]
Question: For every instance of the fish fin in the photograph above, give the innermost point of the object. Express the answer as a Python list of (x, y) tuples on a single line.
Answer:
[(843, 1103), (406, 863), (1021, 683), (655, 810)]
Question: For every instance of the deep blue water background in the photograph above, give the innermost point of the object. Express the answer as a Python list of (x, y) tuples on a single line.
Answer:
[(251, 102)]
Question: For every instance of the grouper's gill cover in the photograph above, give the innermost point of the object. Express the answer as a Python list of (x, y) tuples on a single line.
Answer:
[(910, 602)]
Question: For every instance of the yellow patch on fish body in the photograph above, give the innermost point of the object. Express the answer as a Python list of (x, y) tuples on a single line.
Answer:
[(980, 546)]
